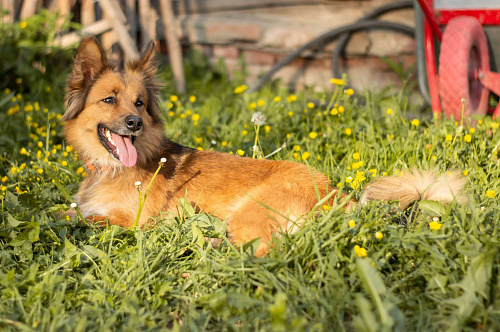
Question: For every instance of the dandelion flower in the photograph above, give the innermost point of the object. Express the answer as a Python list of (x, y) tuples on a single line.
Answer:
[(490, 193), (192, 99), (267, 129), (337, 81), (195, 117), (379, 235), (310, 104), (296, 148), (435, 225), (468, 138), (174, 98), (465, 172), (258, 119), (260, 102), (348, 131), (252, 106), (494, 125), (240, 152), (244, 132), (341, 109), (415, 122), (305, 155), (351, 223), (361, 252), (334, 111), (356, 156), (40, 171), (349, 92), (23, 151), (240, 89), (313, 135), (389, 111)]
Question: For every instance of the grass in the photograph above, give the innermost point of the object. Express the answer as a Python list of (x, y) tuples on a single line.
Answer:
[(375, 268)]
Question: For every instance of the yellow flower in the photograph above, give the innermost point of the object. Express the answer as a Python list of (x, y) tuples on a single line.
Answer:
[(357, 165), (40, 171), (290, 114), (313, 135), (195, 117), (341, 109), (326, 208), (224, 143), (305, 155), (171, 113), (198, 139), (434, 158), (267, 128), (415, 122), (334, 111), (240, 89), (468, 138), (349, 92), (337, 81), (379, 235), (14, 170), (296, 148), (79, 170), (192, 99), (23, 151), (295, 155), (465, 172), (351, 223), (47, 89), (260, 102), (490, 193), (348, 131), (174, 98), (244, 132), (252, 106), (435, 225), (64, 163), (199, 148), (3, 188), (40, 144), (355, 156), (494, 125), (69, 148), (449, 137), (5, 178), (189, 112), (310, 105), (361, 252), (240, 152), (277, 99), (291, 98), (348, 179), (472, 130), (389, 111), (23, 26)]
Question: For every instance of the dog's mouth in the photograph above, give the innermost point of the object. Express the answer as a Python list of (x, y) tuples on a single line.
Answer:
[(121, 147)]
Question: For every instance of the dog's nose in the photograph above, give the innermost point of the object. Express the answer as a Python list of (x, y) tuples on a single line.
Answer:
[(133, 122)]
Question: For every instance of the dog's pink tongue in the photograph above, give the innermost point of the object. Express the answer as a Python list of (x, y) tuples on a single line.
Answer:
[(126, 150)]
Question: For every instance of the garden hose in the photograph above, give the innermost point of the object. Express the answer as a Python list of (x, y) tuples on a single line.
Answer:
[(329, 36), (344, 38)]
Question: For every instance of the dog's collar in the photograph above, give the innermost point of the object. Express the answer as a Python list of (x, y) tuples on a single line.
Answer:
[(91, 167)]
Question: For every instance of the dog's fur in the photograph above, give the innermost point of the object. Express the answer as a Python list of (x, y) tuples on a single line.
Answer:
[(255, 197)]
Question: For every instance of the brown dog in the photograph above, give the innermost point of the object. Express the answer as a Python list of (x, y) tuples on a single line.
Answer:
[(113, 122)]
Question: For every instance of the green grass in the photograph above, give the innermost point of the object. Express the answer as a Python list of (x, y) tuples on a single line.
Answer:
[(58, 274)]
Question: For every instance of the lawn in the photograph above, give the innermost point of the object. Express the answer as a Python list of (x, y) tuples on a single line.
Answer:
[(430, 267)]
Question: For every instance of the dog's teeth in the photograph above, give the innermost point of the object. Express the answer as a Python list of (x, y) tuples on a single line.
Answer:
[(117, 150)]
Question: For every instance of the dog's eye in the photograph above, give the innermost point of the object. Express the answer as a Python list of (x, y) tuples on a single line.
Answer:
[(139, 103), (109, 100)]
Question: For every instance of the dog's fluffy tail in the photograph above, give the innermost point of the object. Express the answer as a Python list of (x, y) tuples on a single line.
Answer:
[(416, 185)]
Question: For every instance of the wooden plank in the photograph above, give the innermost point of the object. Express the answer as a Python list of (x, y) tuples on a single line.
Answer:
[(174, 46), (28, 9), (64, 8), (124, 38), (95, 28)]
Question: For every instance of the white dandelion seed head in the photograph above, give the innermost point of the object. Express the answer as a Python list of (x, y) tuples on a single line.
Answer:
[(258, 118), (137, 183), (213, 142), (73, 205), (163, 160)]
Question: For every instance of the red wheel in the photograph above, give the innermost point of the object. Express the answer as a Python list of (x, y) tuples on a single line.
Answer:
[(464, 50)]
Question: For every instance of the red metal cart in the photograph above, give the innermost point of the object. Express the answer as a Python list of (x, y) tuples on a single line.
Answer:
[(461, 59)]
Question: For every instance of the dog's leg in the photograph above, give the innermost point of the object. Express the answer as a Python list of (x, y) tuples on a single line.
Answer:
[(267, 210)]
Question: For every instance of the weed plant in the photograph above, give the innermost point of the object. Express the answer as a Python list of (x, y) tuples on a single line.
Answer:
[(376, 268)]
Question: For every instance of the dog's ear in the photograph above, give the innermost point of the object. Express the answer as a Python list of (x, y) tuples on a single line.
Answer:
[(147, 66), (90, 60)]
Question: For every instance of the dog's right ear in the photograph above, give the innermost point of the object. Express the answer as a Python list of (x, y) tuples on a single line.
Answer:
[(90, 60)]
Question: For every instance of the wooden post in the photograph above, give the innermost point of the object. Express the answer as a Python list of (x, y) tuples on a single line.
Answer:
[(88, 12), (64, 8), (9, 6), (28, 9), (144, 13), (174, 46), (124, 38), (130, 13)]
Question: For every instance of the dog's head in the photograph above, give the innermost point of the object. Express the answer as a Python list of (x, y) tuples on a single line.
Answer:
[(112, 117)]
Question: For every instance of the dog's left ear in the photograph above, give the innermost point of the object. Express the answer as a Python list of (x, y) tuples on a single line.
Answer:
[(147, 66)]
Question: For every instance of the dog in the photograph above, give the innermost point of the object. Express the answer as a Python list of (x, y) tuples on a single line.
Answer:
[(112, 120)]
